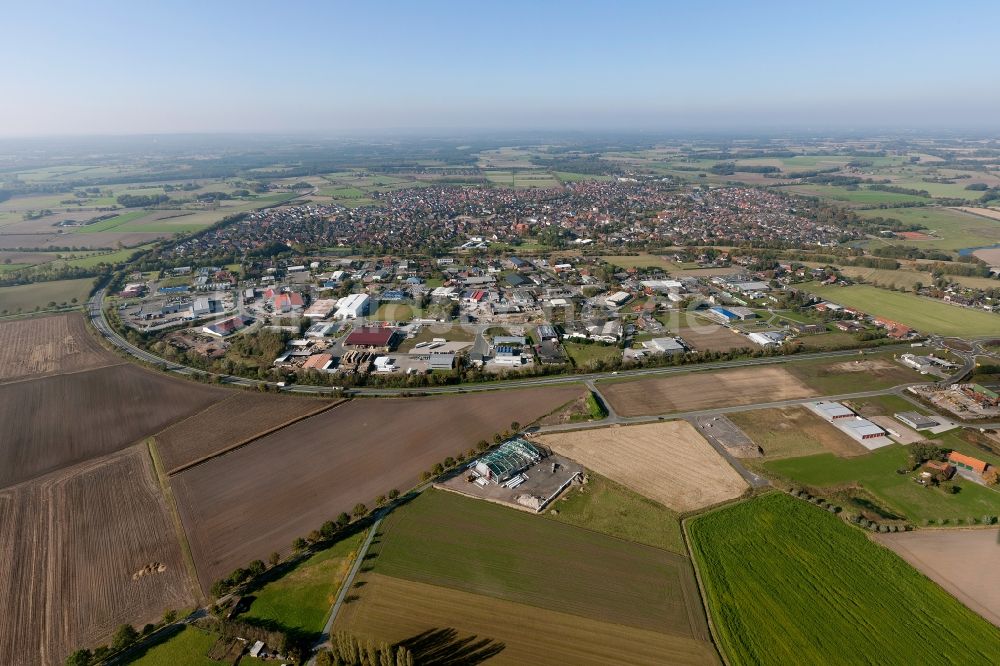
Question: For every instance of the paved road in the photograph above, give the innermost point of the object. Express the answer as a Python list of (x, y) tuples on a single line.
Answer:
[(715, 411), (95, 307), (344, 589)]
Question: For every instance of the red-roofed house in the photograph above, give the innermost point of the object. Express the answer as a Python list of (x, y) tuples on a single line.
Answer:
[(967, 462), (288, 302)]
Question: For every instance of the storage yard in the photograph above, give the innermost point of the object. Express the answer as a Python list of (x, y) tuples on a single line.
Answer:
[(316, 468), (477, 559), (703, 390), (794, 431), (668, 462), (95, 548), (963, 562)]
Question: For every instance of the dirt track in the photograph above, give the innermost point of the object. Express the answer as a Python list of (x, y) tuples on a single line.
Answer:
[(95, 548), (964, 562), (668, 462), (259, 498), (703, 390)]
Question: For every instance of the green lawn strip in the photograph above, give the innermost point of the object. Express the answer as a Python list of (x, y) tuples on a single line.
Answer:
[(789, 583), (876, 473), (112, 222), (924, 314), (301, 598), (189, 647), (608, 507), (583, 354)]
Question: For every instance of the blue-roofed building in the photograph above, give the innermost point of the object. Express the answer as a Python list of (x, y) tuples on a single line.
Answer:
[(173, 290), (393, 296)]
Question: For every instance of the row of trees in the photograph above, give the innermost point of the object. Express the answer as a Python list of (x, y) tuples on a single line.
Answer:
[(349, 650), (124, 638)]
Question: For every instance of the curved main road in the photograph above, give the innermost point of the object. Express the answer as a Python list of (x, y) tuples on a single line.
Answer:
[(100, 322)]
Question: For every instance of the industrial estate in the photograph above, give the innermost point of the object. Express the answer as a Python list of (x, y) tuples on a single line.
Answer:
[(613, 402)]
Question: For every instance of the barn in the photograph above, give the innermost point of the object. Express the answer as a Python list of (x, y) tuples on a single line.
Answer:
[(508, 460)]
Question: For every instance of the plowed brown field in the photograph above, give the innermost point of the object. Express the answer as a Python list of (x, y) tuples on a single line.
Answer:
[(94, 548), (49, 345), (703, 390), (229, 423), (243, 505), (50, 422)]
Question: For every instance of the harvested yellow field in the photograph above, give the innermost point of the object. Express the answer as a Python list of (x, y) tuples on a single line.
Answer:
[(703, 390), (427, 617), (668, 462)]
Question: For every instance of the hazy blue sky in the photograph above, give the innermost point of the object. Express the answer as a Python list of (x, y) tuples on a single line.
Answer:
[(179, 66)]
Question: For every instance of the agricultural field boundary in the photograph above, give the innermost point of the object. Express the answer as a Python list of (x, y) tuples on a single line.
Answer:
[(249, 440), (175, 518)]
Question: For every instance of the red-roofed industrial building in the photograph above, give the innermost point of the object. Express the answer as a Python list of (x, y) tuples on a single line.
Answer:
[(372, 337)]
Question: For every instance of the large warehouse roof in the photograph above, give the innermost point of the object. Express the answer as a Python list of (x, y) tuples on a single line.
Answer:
[(510, 457)]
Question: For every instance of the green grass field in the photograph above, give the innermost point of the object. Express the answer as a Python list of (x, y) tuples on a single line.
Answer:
[(611, 508), (583, 354), (107, 257), (441, 538), (876, 473), (301, 598), (788, 583), (189, 646), (112, 222), (27, 297), (924, 314), (861, 197), (639, 261), (957, 230)]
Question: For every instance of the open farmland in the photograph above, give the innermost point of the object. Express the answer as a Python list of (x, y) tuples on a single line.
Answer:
[(703, 390), (443, 539), (396, 610), (964, 562), (50, 422), (872, 372), (924, 314), (875, 473), (95, 548), (48, 345), (668, 462), (951, 229), (761, 563), (787, 432), (28, 297), (229, 423), (257, 499)]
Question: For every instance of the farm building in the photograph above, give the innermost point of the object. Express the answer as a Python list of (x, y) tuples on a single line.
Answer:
[(938, 467), (547, 333), (729, 315), (861, 429), (508, 460), (962, 461), (916, 420), (832, 411), (352, 307), (665, 346), (617, 299), (767, 338), (288, 302), (321, 309), (318, 362), (221, 329), (371, 337), (442, 361)]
